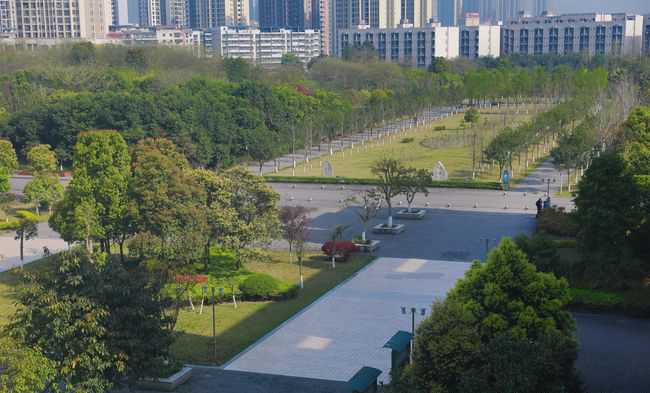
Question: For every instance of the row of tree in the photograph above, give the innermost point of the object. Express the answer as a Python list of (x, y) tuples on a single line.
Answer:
[(255, 115)]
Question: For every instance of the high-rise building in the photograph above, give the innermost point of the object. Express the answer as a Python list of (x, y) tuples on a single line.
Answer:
[(175, 13), (56, 20), (418, 12), (591, 34), (450, 12), (237, 12), (120, 12), (285, 14), (207, 14), (150, 13), (7, 16)]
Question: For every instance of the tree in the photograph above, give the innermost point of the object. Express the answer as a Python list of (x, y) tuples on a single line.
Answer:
[(97, 194), (27, 229), (256, 209), (336, 235), (83, 53), (8, 164), (503, 314), (415, 181), (24, 369), (237, 69), (367, 207), (42, 159), (136, 58), (8, 159), (390, 173), (290, 59), (43, 190), (81, 316), (295, 221), (472, 116), (262, 147), (608, 212)]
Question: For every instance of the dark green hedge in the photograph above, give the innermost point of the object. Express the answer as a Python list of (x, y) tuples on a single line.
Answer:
[(345, 180)]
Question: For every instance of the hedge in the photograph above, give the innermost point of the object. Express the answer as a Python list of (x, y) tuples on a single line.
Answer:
[(594, 300), (372, 182), (9, 225)]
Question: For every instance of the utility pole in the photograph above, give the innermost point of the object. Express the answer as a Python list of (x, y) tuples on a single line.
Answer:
[(214, 329)]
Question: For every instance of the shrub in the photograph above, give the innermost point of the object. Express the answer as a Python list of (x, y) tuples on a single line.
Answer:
[(637, 302), (440, 128), (566, 243), (260, 286), (556, 221), (407, 140), (343, 249), (595, 300), (9, 225)]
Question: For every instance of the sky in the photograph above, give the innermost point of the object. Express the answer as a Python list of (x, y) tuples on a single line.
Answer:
[(635, 6)]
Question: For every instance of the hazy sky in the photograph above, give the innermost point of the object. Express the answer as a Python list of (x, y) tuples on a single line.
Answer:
[(637, 6)]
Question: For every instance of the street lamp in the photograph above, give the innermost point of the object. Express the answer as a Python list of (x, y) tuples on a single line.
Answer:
[(413, 310), (548, 185)]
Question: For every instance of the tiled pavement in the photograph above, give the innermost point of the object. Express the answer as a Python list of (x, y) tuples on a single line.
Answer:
[(346, 329)]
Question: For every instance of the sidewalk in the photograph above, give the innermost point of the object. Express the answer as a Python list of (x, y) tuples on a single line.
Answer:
[(344, 142)]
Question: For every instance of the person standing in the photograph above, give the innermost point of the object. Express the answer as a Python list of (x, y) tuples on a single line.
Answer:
[(539, 205)]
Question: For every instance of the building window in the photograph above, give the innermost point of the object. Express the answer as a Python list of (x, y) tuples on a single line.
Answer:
[(539, 41), (357, 40), (584, 39), (381, 49), (647, 39), (421, 54), (553, 39), (408, 45), (345, 43), (523, 41), (433, 46), (464, 43), (370, 39), (600, 40), (394, 46), (617, 39), (568, 40)]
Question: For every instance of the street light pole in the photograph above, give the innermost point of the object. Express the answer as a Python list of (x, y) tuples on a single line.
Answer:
[(214, 330), (423, 311)]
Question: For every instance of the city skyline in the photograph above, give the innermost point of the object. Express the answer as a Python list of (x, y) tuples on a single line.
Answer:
[(630, 6)]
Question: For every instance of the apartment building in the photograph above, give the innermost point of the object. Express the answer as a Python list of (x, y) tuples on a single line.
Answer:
[(265, 48), (480, 41), (417, 46), (50, 21), (593, 34), (7, 17), (158, 35)]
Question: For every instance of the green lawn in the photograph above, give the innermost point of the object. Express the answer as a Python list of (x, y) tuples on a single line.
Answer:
[(425, 150), (240, 327), (236, 328)]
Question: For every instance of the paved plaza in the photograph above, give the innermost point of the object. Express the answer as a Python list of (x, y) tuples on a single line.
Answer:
[(10, 249), (346, 329)]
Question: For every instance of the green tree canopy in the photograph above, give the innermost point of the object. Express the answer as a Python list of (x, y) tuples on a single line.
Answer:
[(42, 160), (24, 370), (97, 193), (81, 317)]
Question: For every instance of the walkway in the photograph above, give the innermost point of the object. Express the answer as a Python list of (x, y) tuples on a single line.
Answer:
[(425, 117), (33, 250), (346, 329)]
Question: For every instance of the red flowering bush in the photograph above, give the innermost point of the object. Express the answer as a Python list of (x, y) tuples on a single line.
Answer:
[(343, 249)]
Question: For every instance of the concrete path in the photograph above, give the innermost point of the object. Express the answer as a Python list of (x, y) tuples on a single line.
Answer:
[(425, 117), (10, 247), (347, 328)]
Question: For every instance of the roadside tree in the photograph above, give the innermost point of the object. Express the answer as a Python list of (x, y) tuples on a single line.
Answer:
[(390, 173)]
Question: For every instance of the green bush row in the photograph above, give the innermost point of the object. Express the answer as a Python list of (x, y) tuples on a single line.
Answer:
[(346, 180), (635, 303), (9, 225)]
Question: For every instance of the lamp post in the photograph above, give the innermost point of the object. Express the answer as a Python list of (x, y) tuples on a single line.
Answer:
[(413, 310), (548, 182)]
